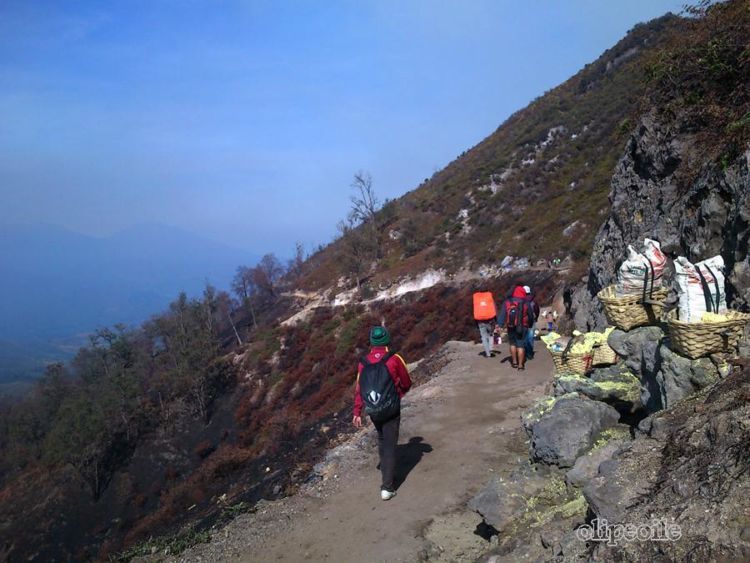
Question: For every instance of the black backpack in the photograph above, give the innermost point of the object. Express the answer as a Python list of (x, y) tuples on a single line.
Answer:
[(377, 389)]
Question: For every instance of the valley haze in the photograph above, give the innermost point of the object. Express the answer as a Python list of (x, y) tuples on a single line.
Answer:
[(58, 285)]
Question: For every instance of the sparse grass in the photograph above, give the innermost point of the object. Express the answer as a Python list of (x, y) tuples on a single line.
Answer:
[(231, 512), (160, 548)]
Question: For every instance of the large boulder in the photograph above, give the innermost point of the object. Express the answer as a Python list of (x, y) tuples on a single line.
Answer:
[(638, 347), (587, 466), (609, 497), (568, 429), (679, 377), (665, 376), (614, 385), (502, 501), (541, 406)]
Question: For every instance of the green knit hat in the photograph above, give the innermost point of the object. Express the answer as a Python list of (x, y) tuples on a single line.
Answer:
[(379, 336)]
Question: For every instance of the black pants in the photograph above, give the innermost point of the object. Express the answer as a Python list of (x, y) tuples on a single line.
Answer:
[(387, 440)]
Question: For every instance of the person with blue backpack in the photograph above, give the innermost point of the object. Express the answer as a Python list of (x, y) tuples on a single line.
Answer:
[(382, 379), (517, 316)]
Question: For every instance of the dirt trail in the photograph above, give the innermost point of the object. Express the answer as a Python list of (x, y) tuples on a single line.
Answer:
[(457, 430)]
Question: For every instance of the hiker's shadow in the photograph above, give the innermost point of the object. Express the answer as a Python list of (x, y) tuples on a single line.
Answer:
[(408, 456)]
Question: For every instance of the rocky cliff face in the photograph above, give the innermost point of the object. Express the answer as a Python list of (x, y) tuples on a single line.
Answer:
[(692, 469), (654, 194), (685, 465)]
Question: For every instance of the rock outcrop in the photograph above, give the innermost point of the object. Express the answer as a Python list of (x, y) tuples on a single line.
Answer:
[(655, 194), (693, 470), (665, 376), (614, 385), (568, 428), (587, 466)]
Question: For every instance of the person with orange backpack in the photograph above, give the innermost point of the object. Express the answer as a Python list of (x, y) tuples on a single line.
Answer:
[(485, 314), (517, 317)]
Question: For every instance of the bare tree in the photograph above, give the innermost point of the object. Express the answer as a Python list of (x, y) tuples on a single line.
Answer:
[(295, 266), (267, 274), (365, 203), (245, 289), (356, 251), (365, 207), (360, 236), (226, 307)]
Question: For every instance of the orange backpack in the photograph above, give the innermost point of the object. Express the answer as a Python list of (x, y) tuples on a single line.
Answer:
[(484, 307)]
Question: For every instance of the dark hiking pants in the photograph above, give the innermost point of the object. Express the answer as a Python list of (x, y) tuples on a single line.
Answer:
[(387, 440)]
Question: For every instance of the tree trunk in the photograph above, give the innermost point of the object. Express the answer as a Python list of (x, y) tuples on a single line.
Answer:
[(234, 328)]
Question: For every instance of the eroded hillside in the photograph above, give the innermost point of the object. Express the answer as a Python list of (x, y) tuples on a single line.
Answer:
[(537, 187)]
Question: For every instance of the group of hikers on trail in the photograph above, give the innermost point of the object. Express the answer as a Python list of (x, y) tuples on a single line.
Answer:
[(518, 315), (383, 378)]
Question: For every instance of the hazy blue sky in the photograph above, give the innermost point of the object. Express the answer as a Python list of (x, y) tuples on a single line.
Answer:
[(245, 121)]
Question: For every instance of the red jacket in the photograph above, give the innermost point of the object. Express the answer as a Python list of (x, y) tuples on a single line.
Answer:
[(396, 367)]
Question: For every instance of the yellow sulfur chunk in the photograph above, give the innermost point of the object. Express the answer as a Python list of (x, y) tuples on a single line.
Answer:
[(713, 318), (550, 338)]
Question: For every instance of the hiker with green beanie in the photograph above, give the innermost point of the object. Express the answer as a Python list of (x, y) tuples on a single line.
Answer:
[(382, 379)]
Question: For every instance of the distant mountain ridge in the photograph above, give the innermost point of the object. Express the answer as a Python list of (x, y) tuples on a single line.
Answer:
[(57, 284)]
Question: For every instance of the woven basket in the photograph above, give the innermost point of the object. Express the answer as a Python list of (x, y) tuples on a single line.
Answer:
[(577, 363), (700, 339), (604, 355), (629, 311)]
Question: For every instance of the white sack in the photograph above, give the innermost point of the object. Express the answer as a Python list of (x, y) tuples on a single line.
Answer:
[(636, 270), (690, 289)]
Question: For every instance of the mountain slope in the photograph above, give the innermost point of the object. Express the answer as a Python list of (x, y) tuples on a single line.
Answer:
[(536, 187), (289, 394)]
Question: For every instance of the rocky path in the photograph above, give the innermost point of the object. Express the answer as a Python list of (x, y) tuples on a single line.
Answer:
[(457, 430)]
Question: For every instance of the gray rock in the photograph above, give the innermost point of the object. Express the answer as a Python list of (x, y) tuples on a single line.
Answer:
[(679, 377), (501, 501), (665, 376), (653, 426), (587, 466), (607, 498), (569, 429), (614, 385), (550, 539), (572, 548), (638, 347), (608, 467)]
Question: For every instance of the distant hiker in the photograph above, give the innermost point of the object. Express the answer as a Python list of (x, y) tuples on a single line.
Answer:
[(529, 343), (516, 316), (485, 314), (550, 321), (382, 379)]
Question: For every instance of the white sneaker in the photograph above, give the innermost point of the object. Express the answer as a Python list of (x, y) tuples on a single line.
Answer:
[(387, 495)]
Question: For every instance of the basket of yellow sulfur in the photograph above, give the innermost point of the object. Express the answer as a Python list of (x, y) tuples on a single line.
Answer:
[(630, 311), (575, 357), (716, 332)]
